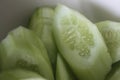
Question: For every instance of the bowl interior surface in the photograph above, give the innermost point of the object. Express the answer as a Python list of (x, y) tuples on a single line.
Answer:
[(14, 13)]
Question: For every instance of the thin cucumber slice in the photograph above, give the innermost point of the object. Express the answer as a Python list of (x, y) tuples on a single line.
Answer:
[(42, 23), (81, 44), (20, 74), (24, 49), (114, 74), (62, 70), (111, 33)]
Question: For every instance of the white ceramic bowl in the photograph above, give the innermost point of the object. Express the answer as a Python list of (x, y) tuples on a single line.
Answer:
[(17, 12)]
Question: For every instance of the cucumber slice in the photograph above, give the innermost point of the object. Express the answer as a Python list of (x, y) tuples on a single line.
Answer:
[(20, 74), (42, 23), (62, 70), (111, 33), (114, 74), (23, 49), (81, 44)]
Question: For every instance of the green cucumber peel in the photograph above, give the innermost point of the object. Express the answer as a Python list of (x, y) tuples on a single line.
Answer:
[(114, 73)]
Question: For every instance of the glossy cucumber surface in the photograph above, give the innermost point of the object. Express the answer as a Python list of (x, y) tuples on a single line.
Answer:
[(42, 24), (23, 49), (81, 44), (110, 31)]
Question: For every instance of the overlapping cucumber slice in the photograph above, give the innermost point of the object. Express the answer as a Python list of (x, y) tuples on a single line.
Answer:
[(111, 33), (42, 23), (62, 70), (114, 74), (81, 44), (23, 49), (20, 74)]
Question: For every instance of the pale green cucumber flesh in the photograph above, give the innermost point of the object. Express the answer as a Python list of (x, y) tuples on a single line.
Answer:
[(63, 71), (42, 23), (81, 44), (20, 74), (23, 49), (111, 33)]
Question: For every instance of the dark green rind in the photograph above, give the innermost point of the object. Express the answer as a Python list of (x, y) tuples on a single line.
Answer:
[(114, 74)]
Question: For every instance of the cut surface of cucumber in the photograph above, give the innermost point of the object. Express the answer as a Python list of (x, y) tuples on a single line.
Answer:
[(42, 23), (24, 49), (20, 74), (81, 44), (63, 71), (111, 33)]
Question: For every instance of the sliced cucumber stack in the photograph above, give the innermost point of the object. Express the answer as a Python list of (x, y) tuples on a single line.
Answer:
[(42, 23), (81, 44), (111, 33), (23, 49), (62, 70), (20, 74)]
